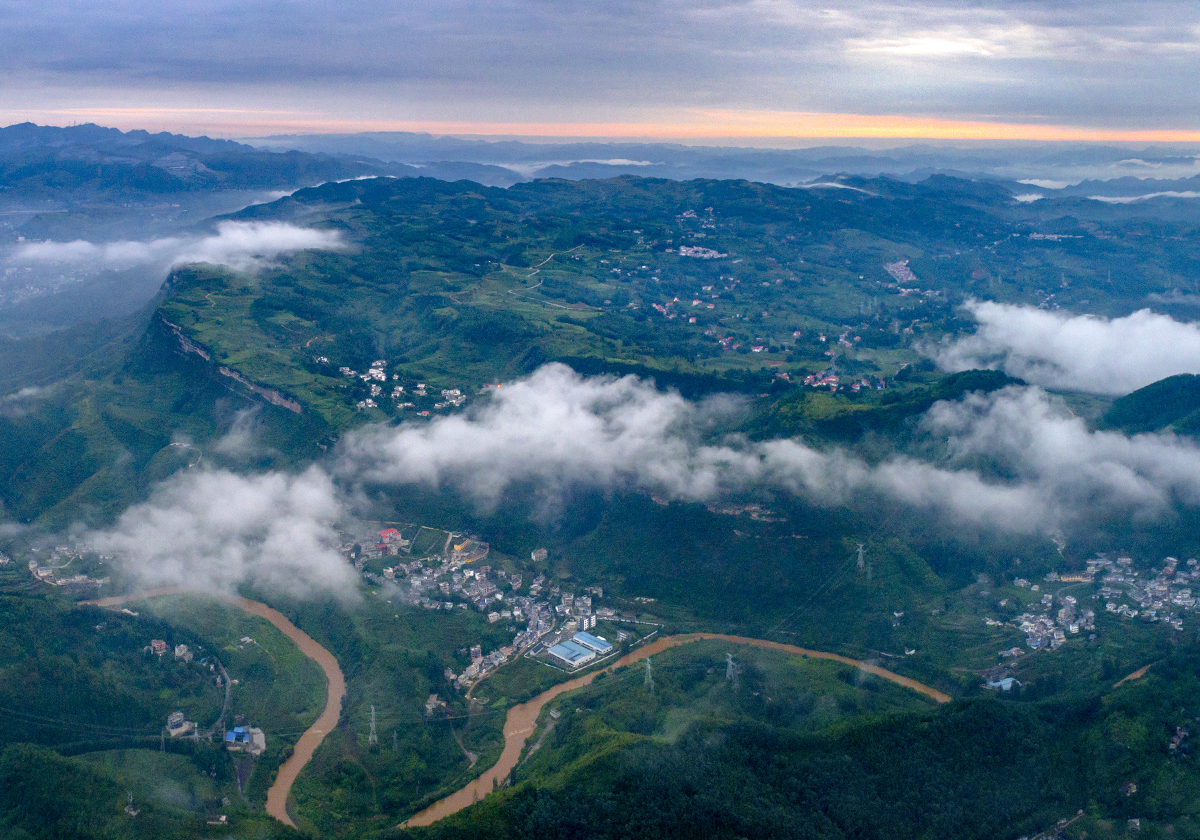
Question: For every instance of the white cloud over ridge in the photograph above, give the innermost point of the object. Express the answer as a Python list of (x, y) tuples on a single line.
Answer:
[(1015, 461), (240, 245), (1071, 474), (1074, 352), (19, 403), (212, 529), (557, 429)]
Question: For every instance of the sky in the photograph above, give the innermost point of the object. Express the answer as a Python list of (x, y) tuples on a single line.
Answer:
[(661, 69)]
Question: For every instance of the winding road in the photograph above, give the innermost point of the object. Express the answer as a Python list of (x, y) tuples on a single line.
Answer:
[(522, 719), (277, 795)]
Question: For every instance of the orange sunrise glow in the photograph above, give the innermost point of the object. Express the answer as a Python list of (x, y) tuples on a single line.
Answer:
[(691, 124)]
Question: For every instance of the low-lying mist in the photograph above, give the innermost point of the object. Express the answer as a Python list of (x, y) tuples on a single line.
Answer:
[(1014, 461), (240, 245), (1073, 352)]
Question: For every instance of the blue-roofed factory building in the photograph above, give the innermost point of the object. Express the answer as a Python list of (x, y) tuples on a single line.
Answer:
[(597, 643), (571, 654), (246, 739)]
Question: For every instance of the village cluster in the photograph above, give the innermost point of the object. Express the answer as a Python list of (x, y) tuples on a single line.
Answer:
[(57, 570), (1159, 595), (555, 622), (377, 379), (1156, 595), (831, 380), (699, 253)]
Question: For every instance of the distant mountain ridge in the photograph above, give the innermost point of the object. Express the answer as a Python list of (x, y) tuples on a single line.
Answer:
[(27, 136), (1008, 163), (90, 162)]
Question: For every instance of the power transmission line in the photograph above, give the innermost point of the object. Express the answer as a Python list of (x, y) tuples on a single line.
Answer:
[(732, 669)]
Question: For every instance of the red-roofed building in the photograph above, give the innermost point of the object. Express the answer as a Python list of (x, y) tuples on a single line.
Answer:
[(389, 534)]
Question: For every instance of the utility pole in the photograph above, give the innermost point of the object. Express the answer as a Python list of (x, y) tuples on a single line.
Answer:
[(372, 739), (731, 668), (395, 742), (649, 682), (861, 548)]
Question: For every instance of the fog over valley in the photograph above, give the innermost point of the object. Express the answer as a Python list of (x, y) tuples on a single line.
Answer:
[(559, 432)]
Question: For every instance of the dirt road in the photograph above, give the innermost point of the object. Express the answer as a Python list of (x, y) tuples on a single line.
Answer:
[(519, 724), (1136, 675)]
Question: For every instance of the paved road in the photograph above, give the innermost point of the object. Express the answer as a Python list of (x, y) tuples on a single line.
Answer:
[(219, 726)]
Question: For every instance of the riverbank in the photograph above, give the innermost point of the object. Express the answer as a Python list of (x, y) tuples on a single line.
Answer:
[(302, 753), (522, 718)]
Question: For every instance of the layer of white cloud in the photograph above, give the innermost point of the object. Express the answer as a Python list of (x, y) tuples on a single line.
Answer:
[(555, 428), (1045, 184), (556, 431), (20, 403), (1130, 199), (206, 530), (1071, 473), (239, 245), (1074, 352), (1107, 63)]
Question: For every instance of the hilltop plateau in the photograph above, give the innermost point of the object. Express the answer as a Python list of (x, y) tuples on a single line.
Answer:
[(444, 426)]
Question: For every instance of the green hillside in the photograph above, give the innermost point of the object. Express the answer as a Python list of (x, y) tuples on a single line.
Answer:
[(459, 286), (84, 702), (743, 762), (1169, 404), (45, 796)]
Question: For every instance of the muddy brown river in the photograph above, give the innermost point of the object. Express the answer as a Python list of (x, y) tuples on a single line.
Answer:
[(519, 724), (277, 795)]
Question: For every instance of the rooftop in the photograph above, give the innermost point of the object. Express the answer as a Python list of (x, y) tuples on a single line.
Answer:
[(571, 652), (594, 642)]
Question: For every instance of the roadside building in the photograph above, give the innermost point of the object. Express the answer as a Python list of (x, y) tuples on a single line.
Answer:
[(177, 726), (246, 739)]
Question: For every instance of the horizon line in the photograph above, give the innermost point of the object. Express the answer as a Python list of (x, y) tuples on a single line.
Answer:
[(699, 126)]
